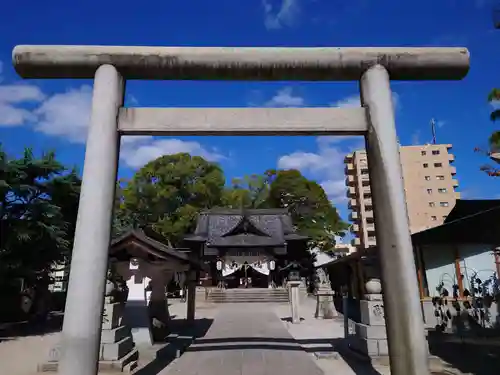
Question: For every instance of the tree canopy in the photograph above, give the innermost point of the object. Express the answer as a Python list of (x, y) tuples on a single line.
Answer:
[(169, 192), (38, 209), (493, 150), (312, 212)]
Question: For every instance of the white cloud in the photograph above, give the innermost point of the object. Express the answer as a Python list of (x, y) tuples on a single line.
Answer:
[(137, 152), (20, 93), (354, 101), (12, 98), (66, 114), (285, 98), (280, 13), (326, 164)]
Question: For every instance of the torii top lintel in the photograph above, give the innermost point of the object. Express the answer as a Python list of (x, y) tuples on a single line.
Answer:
[(241, 63)]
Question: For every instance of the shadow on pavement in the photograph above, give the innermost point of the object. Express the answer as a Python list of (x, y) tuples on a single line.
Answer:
[(182, 335), (11, 331), (474, 359), (339, 346)]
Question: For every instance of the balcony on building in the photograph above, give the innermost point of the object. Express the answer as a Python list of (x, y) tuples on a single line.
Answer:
[(368, 202), (369, 214), (353, 216), (371, 242), (355, 228), (350, 180), (367, 191), (454, 182), (451, 158), (356, 242), (365, 179), (348, 158), (370, 228), (453, 171), (351, 192), (352, 204), (349, 168)]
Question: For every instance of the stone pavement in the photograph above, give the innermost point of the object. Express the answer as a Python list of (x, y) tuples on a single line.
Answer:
[(245, 339), (322, 338)]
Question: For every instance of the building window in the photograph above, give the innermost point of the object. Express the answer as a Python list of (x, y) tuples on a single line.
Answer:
[(433, 218), (427, 178), (438, 165), (429, 191), (442, 190), (440, 178), (426, 165), (435, 152), (423, 153), (432, 204), (444, 204)]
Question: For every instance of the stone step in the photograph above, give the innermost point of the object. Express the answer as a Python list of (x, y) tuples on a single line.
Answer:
[(250, 295)]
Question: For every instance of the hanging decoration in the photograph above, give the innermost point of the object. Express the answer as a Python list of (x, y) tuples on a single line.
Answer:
[(272, 265)]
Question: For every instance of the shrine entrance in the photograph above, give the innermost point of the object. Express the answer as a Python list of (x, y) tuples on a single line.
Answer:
[(247, 277), (111, 66), (246, 268)]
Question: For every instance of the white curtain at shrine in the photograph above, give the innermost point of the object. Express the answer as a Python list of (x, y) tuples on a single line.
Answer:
[(262, 268), (229, 269)]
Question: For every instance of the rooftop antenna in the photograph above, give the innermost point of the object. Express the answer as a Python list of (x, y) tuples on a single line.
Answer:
[(433, 129)]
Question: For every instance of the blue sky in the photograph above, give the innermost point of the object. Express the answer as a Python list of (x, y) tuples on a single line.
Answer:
[(53, 114)]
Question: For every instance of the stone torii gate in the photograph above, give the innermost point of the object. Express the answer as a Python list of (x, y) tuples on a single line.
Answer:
[(110, 67)]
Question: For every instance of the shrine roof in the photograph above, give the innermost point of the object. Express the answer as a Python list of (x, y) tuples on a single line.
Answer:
[(153, 243), (266, 227)]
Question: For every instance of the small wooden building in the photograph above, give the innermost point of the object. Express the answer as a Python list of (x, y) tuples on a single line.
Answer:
[(447, 257)]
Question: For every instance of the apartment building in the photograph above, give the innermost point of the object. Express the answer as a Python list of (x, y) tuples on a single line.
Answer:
[(430, 188)]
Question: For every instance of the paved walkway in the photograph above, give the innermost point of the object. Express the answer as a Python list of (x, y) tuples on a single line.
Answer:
[(245, 339)]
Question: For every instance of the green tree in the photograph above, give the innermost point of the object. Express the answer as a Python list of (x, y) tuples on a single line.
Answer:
[(38, 209), (312, 212), (493, 150), (249, 192), (167, 194)]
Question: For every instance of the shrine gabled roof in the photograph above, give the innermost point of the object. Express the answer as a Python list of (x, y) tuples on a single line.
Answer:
[(275, 224), (244, 240), (153, 244)]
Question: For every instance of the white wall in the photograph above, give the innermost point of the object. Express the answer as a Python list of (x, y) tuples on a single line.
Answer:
[(439, 263), (476, 259)]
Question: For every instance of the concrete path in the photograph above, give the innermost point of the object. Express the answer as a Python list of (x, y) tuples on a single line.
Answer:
[(245, 339)]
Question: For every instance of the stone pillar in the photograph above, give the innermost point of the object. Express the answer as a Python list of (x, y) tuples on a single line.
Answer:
[(117, 351), (295, 300), (84, 304), (191, 296), (325, 306), (407, 344), (158, 304), (371, 336)]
